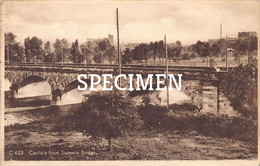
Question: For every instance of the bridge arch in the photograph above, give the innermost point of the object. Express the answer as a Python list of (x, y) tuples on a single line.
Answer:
[(31, 86), (74, 85), (56, 80), (30, 79)]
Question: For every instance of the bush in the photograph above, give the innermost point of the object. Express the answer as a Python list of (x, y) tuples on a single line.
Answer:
[(240, 87), (153, 116), (107, 115)]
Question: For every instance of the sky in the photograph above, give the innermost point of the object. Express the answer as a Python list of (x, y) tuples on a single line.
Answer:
[(139, 21)]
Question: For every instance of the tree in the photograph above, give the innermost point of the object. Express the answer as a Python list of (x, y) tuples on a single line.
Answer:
[(28, 54), (171, 54), (109, 118), (36, 48), (174, 52), (98, 58), (155, 51), (107, 51), (161, 50), (61, 50), (48, 55), (87, 49), (20, 54), (76, 56), (202, 48), (240, 87), (141, 52), (215, 50), (110, 54), (14, 52), (126, 58), (253, 43)]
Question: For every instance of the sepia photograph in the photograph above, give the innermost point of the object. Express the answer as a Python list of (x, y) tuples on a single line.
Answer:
[(130, 80)]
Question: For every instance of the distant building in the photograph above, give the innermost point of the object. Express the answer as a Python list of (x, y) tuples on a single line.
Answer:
[(110, 39), (97, 40), (131, 46), (213, 40), (94, 40), (241, 35), (246, 34)]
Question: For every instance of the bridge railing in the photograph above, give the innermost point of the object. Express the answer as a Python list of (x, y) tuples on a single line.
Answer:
[(124, 66)]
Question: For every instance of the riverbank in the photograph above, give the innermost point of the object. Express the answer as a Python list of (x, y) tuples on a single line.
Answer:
[(46, 140)]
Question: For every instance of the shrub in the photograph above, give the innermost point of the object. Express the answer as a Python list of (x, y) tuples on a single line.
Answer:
[(107, 115), (240, 86), (153, 116)]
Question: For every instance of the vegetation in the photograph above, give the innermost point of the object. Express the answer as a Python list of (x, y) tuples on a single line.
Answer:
[(108, 118), (240, 86), (103, 51)]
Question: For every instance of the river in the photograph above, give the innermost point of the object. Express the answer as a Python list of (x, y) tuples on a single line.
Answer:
[(34, 102)]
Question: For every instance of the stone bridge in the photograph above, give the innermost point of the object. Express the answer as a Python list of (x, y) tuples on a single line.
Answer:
[(56, 80), (60, 78)]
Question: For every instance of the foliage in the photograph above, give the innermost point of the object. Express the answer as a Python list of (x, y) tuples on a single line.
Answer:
[(13, 49), (240, 86), (202, 49), (108, 118), (110, 54), (33, 49), (87, 49), (76, 56), (106, 51), (152, 115), (127, 56), (98, 58), (102, 50), (61, 50), (175, 51), (48, 55), (243, 45)]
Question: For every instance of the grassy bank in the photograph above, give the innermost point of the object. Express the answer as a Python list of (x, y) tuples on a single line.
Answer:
[(172, 136)]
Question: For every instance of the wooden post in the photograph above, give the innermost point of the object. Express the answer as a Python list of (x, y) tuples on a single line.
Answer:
[(201, 88), (62, 57), (118, 47), (85, 59), (218, 97), (238, 59), (8, 55), (226, 53), (208, 65), (167, 79), (248, 53)]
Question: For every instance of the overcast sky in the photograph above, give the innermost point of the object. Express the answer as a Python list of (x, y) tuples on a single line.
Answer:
[(139, 21)]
